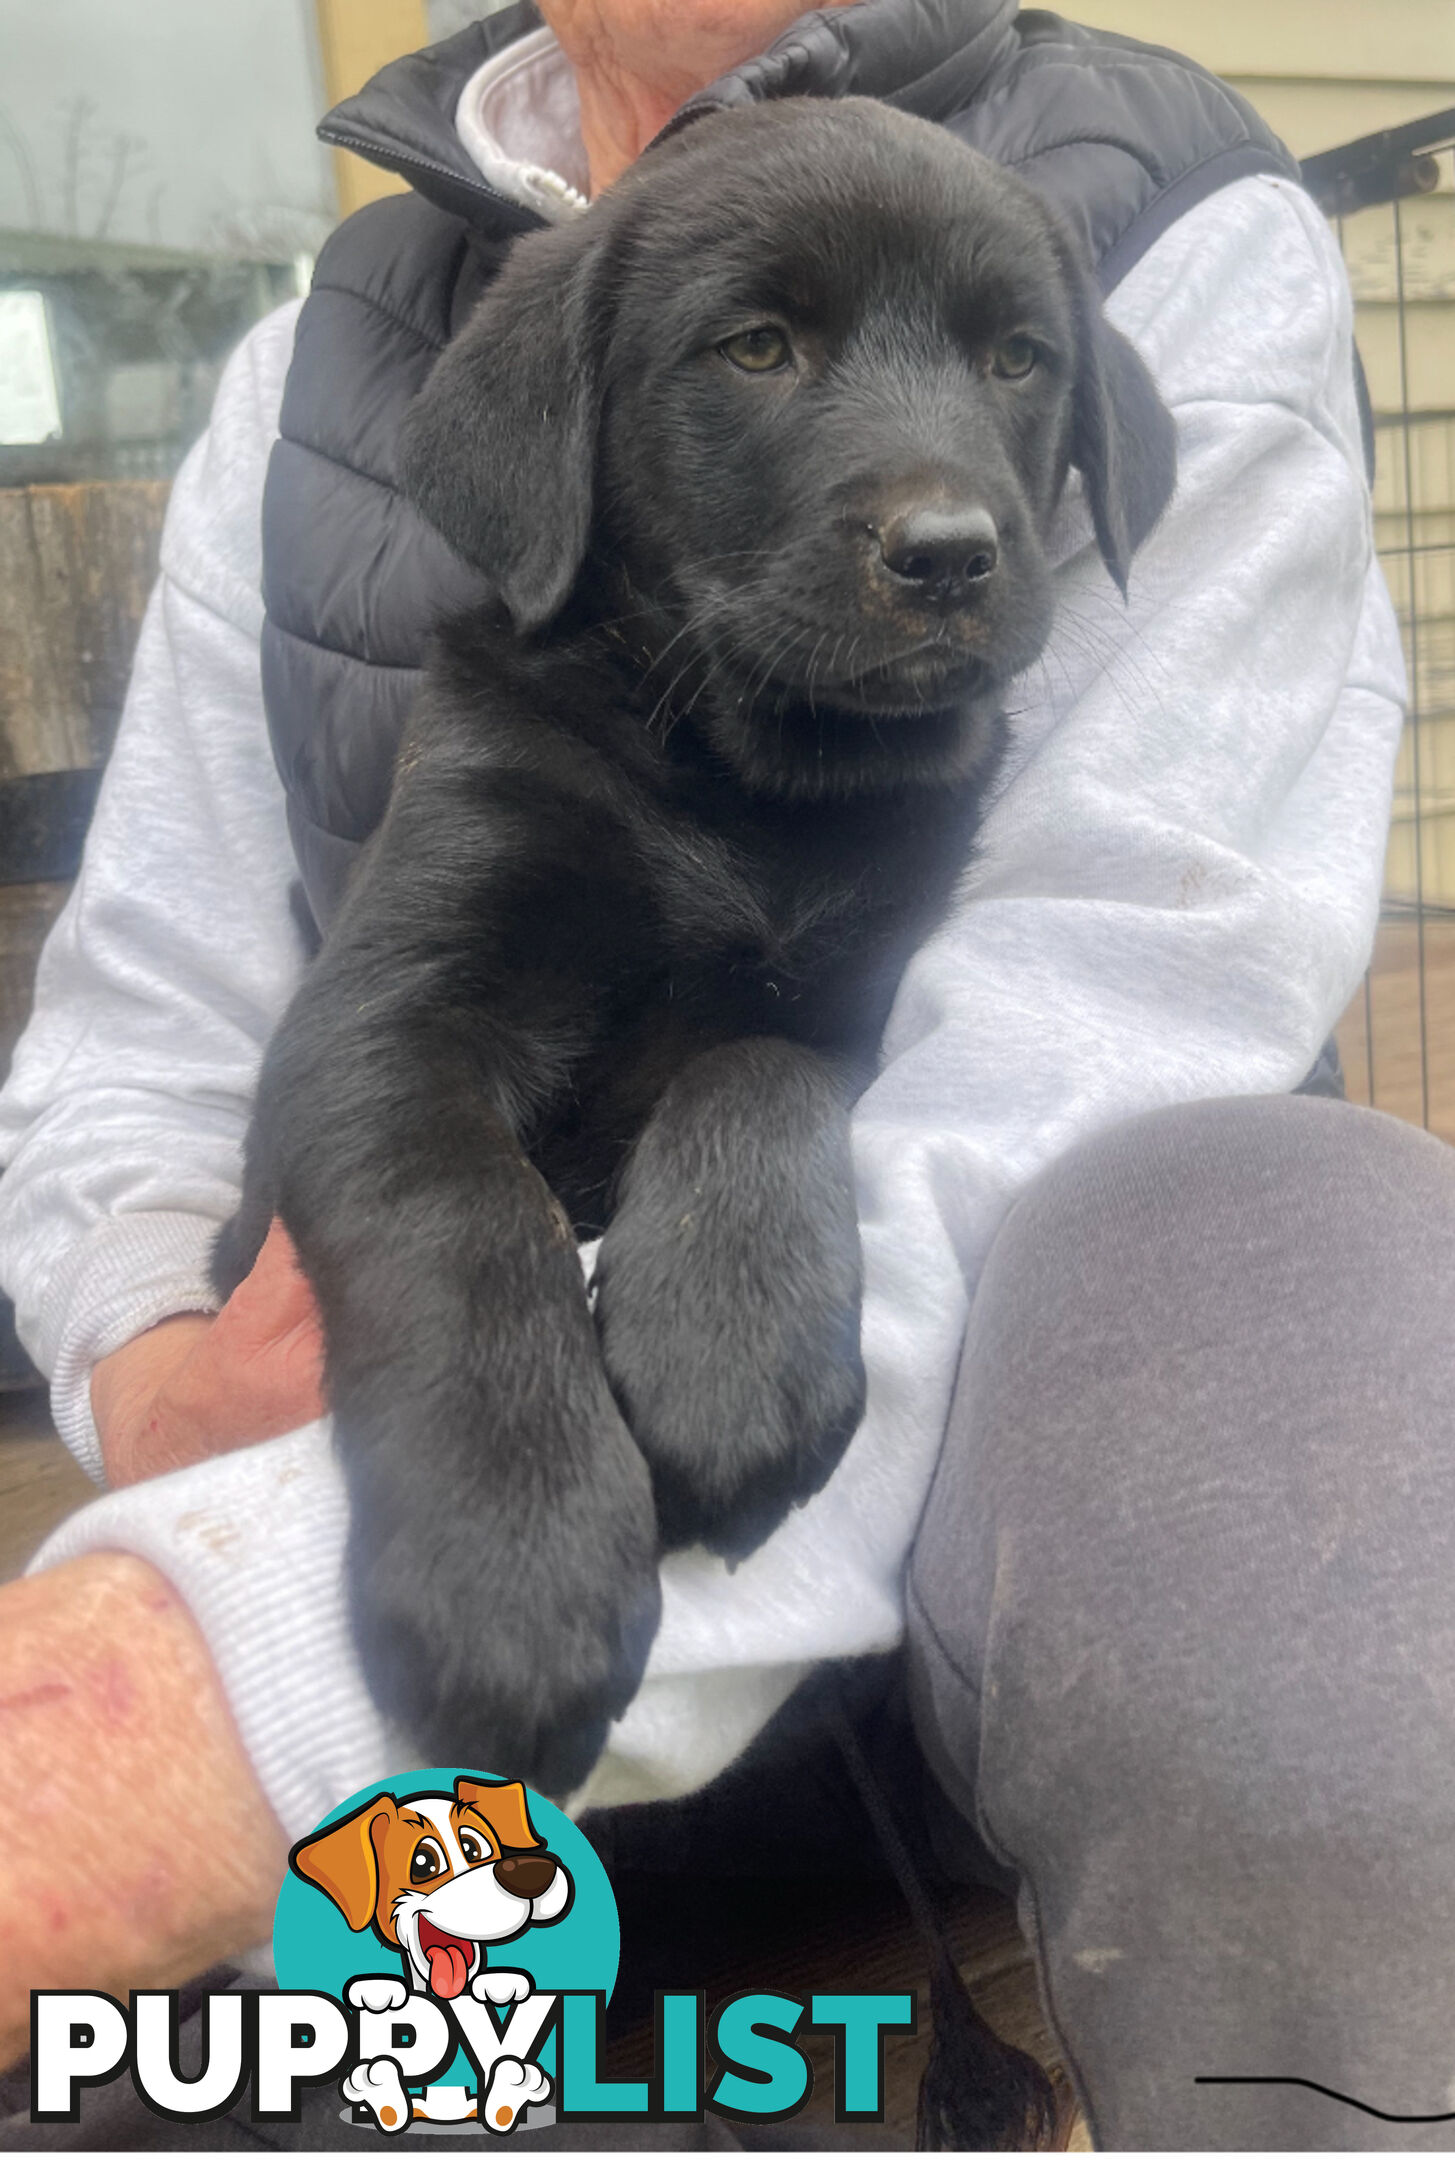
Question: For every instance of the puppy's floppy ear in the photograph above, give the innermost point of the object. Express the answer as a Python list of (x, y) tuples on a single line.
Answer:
[(499, 446), (1123, 440), (342, 1860), (503, 1807)]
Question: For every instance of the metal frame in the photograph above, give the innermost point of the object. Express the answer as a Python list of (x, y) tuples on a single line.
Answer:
[(1389, 167)]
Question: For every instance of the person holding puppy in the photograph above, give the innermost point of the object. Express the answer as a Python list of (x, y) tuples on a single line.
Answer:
[(1128, 1471)]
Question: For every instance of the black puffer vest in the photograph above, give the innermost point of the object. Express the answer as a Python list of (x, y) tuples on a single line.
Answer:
[(1122, 137)]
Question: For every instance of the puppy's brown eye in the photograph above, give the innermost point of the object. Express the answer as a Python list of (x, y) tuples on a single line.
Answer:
[(426, 1861), (1014, 357), (757, 351), (471, 1847)]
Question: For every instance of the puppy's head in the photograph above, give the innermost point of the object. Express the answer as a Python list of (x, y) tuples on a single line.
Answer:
[(439, 1875), (804, 387)]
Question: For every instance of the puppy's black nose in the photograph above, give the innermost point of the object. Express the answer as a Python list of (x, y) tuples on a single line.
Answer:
[(941, 554), (525, 1875)]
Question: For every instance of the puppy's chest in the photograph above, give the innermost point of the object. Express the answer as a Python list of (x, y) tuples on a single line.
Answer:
[(795, 916), (720, 901)]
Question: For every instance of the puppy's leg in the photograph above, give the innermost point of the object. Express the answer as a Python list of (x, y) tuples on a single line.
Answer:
[(502, 1561), (728, 1291), (239, 1241)]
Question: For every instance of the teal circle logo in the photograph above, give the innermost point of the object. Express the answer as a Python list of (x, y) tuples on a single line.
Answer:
[(458, 1887)]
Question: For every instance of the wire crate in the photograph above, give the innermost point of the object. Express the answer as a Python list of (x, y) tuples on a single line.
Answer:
[(1392, 198)]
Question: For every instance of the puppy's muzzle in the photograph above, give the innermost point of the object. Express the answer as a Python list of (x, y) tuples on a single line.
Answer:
[(939, 556), (525, 1875)]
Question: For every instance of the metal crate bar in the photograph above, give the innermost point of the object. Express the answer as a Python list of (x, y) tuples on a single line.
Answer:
[(1391, 197)]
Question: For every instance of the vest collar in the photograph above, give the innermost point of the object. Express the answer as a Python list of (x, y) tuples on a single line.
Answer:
[(926, 56)]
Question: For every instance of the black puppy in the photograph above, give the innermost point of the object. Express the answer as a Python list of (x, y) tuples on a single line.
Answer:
[(758, 456)]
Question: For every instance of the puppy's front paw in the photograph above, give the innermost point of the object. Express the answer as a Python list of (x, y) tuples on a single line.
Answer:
[(742, 1383), (504, 1598)]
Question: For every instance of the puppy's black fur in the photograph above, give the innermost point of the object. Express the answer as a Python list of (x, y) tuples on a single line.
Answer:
[(758, 456)]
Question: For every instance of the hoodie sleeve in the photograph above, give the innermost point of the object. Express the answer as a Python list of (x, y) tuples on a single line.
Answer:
[(122, 1121), (1174, 897)]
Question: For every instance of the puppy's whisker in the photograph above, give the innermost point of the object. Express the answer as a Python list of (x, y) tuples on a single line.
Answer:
[(810, 670), (664, 702), (792, 643), (1096, 642), (1041, 666), (709, 678), (709, 562), (1105, 640), (760, 676), (1108, 667), (700, 619), (1060, 684), (665, 696)]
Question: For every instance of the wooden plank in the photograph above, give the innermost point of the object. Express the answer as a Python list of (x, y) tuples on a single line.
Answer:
[(26, 914), (356, 38), (16, 1370), (40, 1483), (76, 566)]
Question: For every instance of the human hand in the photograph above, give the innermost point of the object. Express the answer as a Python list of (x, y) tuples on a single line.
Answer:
[(202, 1384)]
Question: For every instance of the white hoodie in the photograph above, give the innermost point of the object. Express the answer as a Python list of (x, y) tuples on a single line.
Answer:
[(1175, 895)]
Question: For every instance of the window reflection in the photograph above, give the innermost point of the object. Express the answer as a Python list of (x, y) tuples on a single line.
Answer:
[(160, 189)]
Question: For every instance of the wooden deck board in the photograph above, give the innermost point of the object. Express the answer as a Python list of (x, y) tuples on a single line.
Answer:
[(40, 1484)]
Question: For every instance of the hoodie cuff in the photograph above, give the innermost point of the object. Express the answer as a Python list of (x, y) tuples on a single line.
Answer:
[(253, 1542), (126, 1275)]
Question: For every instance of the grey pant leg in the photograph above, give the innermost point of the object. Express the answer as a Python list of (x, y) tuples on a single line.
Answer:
[(1183, 1618)]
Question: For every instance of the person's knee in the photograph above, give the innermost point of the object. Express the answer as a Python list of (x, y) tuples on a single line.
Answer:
[(1228, 1279), (1312, 1233), (1188, 1537)]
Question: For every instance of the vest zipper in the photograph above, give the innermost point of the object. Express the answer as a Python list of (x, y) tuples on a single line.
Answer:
[(404, 162)]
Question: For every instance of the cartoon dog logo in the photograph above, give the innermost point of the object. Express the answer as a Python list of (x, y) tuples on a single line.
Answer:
[(440, 1877)]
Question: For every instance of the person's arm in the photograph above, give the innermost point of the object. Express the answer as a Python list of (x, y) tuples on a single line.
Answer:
[(126, 1859), (122, 1121)]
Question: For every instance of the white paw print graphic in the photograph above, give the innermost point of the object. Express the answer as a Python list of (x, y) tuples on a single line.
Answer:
[(513, 2085), (378, 2087)]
